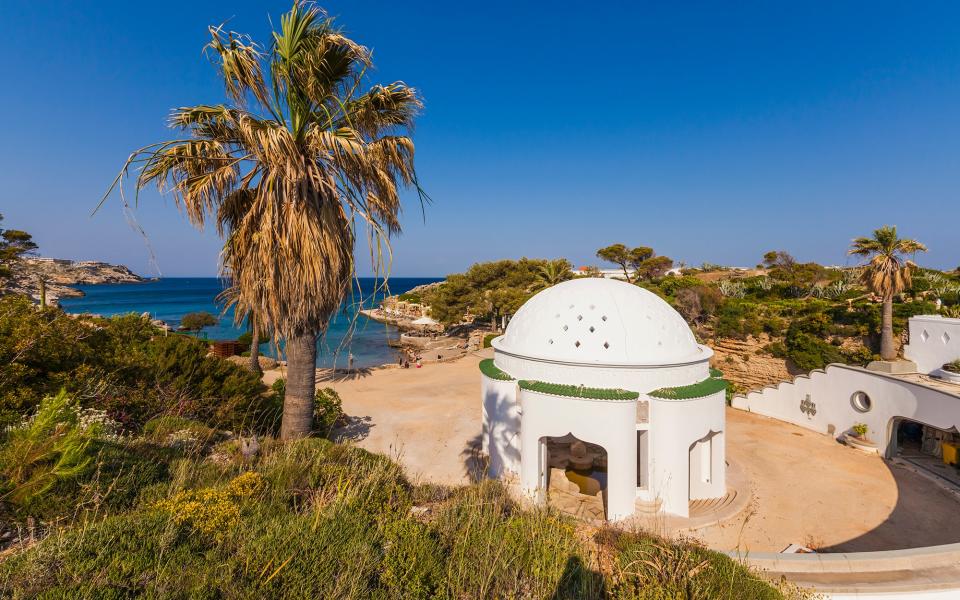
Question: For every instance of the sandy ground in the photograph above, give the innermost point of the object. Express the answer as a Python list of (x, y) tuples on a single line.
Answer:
[(807, 488)]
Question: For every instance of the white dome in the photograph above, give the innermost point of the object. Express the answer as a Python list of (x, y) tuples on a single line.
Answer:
[(603, 322)]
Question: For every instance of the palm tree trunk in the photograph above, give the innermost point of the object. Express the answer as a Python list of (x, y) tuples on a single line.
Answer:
[(887, 349), (301, 386), (255, 347)]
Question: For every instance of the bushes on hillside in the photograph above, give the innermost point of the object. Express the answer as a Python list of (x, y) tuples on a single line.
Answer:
[(124, 366)]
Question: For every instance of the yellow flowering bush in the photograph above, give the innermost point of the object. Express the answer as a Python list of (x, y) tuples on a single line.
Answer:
[(213, 511)]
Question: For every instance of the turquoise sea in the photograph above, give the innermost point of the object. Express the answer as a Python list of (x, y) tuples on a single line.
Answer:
[(169, 298)]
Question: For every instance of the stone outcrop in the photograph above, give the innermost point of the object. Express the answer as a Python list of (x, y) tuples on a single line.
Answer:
[(745, 363), (60, 274)]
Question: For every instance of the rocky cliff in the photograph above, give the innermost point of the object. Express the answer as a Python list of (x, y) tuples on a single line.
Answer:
[(745, 364), (59, 275)]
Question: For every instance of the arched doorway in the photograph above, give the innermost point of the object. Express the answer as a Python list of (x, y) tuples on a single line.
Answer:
[(574, 475), (925, 447)]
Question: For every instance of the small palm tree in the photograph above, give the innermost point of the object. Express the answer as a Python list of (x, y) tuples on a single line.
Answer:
[(302, 155), (552, 273), (886, 274)]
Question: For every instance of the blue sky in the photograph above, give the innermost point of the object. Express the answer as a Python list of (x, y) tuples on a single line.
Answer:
[(709, 131)]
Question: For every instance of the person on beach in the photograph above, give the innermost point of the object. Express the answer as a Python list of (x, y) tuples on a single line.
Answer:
[(350, 361)]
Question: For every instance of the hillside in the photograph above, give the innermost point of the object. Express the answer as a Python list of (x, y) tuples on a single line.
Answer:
[(61, 274)]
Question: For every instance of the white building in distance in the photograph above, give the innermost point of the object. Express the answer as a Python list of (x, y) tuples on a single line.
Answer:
[(601, 379)]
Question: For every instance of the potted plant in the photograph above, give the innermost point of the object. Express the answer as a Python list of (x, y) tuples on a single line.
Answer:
[(856, 437), (950, 371)]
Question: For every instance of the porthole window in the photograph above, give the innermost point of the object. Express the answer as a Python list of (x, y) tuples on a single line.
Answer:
[(861, 402)]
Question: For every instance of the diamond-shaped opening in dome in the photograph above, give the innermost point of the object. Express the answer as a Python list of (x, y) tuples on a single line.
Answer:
[(603, 318), (945, 337), (549, 341), (579, 317), (565, 328), (924, 336), (577, 343), (571, 306), (592, 329), (606, 345)]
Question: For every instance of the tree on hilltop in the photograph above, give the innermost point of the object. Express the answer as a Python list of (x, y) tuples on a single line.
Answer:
[(637, 263), (14, 243)]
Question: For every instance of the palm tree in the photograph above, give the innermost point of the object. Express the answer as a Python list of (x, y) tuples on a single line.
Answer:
[(551, 273), (886, 274), (301, 156)]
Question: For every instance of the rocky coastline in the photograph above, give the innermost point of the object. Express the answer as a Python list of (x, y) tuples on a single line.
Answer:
[(60, 275)]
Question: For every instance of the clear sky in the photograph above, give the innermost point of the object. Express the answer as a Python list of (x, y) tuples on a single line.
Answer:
[(712, 132)]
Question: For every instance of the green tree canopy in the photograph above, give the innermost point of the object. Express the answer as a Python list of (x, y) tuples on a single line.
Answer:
[(196, 321), (491, 289), (637, 263), (14, 243)]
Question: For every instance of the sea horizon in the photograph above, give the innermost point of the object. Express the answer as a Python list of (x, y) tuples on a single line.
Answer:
[(170, 298)]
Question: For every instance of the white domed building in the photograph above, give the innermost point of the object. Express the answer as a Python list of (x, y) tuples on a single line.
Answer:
[(604, 378)]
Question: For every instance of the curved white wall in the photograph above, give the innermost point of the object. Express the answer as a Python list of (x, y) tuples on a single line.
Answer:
[(501, 425), (677, 471), (821, 402)]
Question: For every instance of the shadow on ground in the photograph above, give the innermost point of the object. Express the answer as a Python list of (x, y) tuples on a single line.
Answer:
[(355, 430), (326, 375), (920, 517), (474, 462)]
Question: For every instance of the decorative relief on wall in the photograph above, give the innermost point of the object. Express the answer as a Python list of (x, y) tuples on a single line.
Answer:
[(807, 407)]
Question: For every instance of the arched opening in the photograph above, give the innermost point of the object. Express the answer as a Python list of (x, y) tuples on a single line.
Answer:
[(931, 449), (575, 475)]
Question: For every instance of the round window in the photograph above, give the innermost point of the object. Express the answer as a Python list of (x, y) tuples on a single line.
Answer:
[(861, 402)]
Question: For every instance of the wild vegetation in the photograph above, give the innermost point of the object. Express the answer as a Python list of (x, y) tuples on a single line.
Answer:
[(124, 366), (168, 512), (490, 290), (811, 314)]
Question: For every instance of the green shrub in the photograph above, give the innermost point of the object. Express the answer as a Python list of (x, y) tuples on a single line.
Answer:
[(488, 339), (810, 352), (327, 411), (159, 429), (737, 319)]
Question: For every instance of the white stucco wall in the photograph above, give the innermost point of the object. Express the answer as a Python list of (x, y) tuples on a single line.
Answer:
[(501, 425), (828, 392), (637, 379), (934, 340), (675, 472), (610, 424)]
